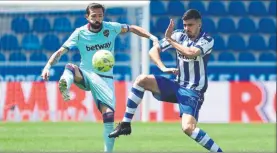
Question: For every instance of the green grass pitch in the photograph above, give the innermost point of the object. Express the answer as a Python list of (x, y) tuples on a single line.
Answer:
[(146, 137)]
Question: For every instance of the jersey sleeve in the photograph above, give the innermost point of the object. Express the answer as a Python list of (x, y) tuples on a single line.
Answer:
[(117, 27), (72, 41), (165, 45), (205, 45)]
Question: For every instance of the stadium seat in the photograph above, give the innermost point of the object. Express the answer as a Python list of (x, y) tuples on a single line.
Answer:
[(162, 24), (236, 42), (180, 24), (256, 42), (17, 57), (122, 72), (267, 25), (80, 21), (246, 57), (38, 57), (157, 8), (226, 57), (62, 24), (216, 8), (64, 58), (211, 57), (257, 8), (51, 42), (2, 57), (115, 11), (246, 25), (9, 42), (155, 70), (152, 27), (122, 57), (167, 56), (198, 5), (208, 25), (76, 57), (107, 19), (65, 38), (219, 43), (30, 42), (175, 8), (123, 20), (237, 8), (272, 8), (41, 24), (226, 25), (272, 43), (119, 45), (127, 42), (267, 57), (20, 25)]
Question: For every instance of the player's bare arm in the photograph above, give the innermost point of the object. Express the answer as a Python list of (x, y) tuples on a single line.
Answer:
[(187, 51), (140, 32), (154, 54), (53, 60)]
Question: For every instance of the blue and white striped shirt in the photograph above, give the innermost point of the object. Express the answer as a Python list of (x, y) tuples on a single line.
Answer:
[(192, 71)]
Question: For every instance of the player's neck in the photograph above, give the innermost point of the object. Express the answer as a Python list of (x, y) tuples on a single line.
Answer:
[(196, 36)]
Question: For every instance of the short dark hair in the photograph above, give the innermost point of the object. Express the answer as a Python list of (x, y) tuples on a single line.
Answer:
[(191, 14), (94, 6)]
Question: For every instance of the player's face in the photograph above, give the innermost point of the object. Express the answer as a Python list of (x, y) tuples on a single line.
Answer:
[(95, 17), (192, 27)]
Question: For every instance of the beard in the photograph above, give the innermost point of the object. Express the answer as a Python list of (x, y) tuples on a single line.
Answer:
[(95, 25), (190, 35)]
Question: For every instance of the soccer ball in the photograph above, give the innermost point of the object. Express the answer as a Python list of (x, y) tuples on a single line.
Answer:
[(103, 60)]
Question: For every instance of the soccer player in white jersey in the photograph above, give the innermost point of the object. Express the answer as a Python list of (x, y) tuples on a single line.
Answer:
[(90, 38), (193, 47)]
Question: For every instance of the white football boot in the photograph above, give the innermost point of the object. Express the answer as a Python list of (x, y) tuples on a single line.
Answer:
[(63, 90)]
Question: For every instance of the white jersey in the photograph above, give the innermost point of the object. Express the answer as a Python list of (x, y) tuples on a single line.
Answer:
[(192, 71)]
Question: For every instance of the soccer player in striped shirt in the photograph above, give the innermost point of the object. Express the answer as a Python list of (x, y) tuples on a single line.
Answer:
[(193, 47)]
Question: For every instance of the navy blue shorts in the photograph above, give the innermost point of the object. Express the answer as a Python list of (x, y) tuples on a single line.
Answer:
[(189, 101)]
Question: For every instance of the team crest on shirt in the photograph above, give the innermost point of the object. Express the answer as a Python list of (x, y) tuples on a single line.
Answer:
[(106, 33)]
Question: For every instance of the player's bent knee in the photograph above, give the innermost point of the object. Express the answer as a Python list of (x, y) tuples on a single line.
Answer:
[(141, 80), (146, 81), (70, 67), (77, 74), (188, 128)]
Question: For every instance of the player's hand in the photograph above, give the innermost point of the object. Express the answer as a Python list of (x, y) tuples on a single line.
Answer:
[(169, 29), (171, 71), (45, 74)]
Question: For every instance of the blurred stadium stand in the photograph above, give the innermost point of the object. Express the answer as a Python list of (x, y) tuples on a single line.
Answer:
[(244, 31)]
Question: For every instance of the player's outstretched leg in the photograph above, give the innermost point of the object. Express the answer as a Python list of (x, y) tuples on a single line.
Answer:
[(134, 99), (142, 83), (201, 137), (108, 119)]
